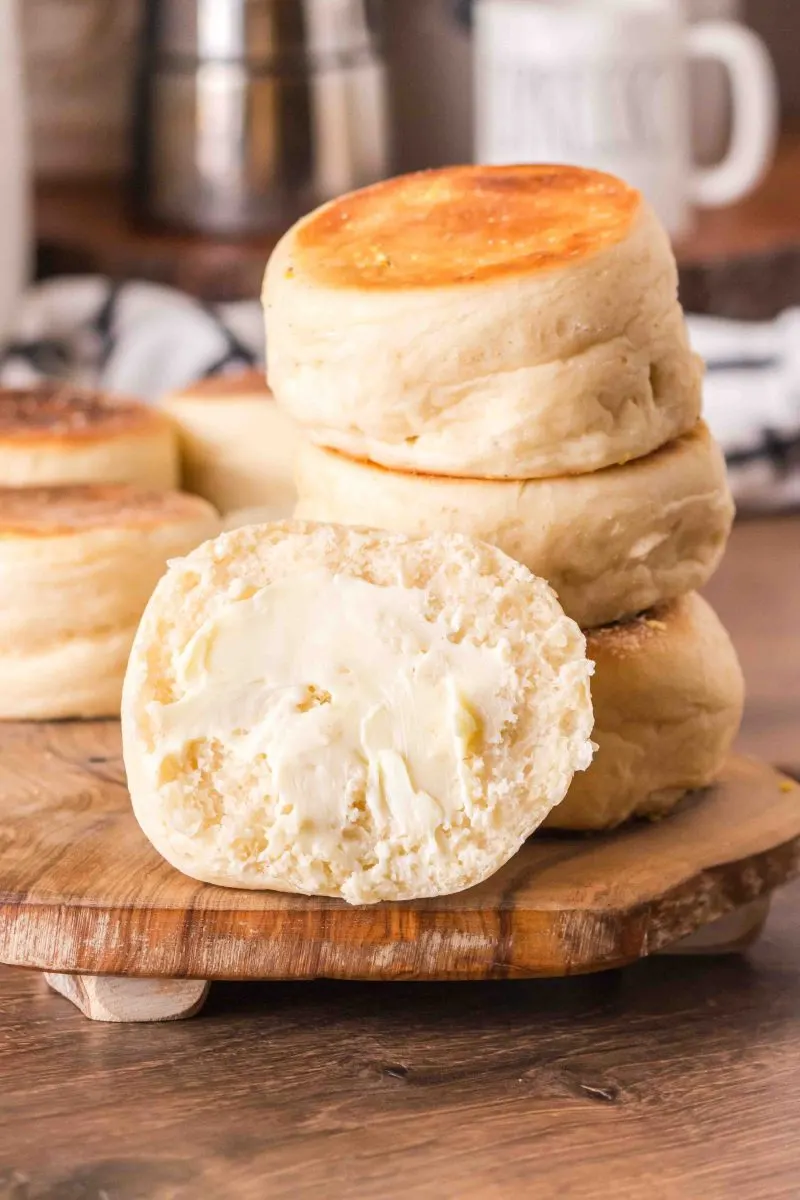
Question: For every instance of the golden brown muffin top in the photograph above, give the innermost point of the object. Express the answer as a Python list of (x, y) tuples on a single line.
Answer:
[(56, 511), (463, 225), (60, 412), (238, 385), (627, 639)]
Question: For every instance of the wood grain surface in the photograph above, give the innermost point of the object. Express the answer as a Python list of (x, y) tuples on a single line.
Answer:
[(757, 594), (81, 889), (675, 1079), (119, 999)]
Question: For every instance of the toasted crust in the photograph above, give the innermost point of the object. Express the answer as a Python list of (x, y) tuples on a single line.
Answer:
[(464, 225), (60, 511), (627, 640), (499, 323), (57, 412), (237, 386)]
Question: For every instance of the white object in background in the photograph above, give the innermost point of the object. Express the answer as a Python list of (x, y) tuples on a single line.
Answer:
[(709, 91), (14, 195), (751, 401), (605, 83)]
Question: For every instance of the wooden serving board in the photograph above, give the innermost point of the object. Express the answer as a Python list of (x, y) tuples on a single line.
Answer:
[(82, 891)]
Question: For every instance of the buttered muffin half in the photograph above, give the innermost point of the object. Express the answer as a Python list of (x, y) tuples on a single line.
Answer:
[(498, 322), (237, 445), (611, 543), (55, 433), (668, 695), (77, 567), (350, 713)]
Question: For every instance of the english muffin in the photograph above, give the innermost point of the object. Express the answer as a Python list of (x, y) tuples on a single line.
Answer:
[(237, 445), (77, 567), (498, 322), (611, 543), (349, 713), (54, 433), (668, 696)]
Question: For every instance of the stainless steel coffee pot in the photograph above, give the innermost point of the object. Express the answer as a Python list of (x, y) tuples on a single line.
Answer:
[(251, 112)]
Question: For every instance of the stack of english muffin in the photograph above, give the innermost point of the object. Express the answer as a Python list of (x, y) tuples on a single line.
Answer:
[(501, 352), (89, 517)]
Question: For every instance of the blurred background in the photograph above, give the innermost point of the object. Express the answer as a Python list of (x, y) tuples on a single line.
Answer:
[(174, 139)]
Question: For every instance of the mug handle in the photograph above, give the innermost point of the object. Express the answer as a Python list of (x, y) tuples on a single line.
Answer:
[(754, 88)]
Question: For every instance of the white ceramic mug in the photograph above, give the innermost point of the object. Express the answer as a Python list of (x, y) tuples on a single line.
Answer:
[(709, 90), (605, 83)]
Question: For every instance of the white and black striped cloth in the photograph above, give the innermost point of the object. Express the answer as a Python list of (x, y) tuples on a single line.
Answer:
[(141, 339)]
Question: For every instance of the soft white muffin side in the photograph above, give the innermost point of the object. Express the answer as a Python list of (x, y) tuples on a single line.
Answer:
[(237, 445), (612, 543), (77, 567)]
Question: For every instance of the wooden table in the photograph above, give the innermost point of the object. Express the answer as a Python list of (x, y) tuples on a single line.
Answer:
[(676, 1079)]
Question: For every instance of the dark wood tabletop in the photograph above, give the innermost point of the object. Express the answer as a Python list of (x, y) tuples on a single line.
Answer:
[(676, 1078)]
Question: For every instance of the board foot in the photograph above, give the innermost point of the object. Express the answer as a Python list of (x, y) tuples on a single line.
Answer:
[(729, 935), (115, 998)]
